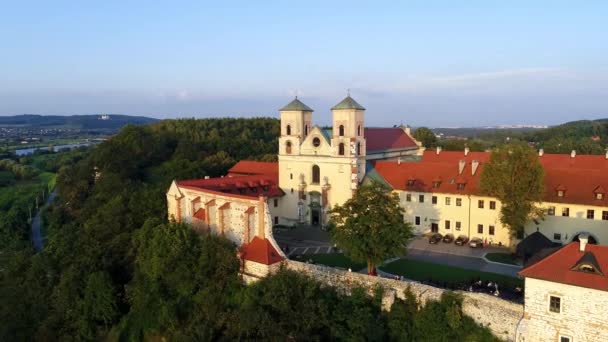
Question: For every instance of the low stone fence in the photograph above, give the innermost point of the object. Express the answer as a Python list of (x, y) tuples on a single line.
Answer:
[(498, 315)]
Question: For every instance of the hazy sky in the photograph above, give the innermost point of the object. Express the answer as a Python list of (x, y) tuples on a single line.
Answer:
[(436, 63)]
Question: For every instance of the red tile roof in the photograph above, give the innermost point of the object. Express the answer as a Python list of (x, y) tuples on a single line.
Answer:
[(260, 251), (381, 139), (557, 267), (250, 167), (248, 186), (580, 179)]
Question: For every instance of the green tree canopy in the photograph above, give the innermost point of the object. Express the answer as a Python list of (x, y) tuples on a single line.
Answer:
[(425, 136), (514, 176), (369, 227)]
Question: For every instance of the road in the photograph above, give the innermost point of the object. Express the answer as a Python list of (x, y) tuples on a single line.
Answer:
[(37, 222), (468, 262)]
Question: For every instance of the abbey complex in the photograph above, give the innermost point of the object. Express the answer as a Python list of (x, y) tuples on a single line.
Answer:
[(318, 168)]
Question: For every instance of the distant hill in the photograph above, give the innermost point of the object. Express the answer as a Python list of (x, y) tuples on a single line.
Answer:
[(86, 122)]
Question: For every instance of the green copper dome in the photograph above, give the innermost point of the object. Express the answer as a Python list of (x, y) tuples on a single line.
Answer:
[(348, 103), (296, 105)]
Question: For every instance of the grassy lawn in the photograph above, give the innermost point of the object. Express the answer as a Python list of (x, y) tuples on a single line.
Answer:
[(333, 260), (426, 271), (504, 258)]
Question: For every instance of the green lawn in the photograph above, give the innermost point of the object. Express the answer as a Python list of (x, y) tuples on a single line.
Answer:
[(333, 260), (504, 258), (426, 271)]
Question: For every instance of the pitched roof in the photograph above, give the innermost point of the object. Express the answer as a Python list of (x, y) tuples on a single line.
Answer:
[(250, 167), (580, 179), (348, 103), (559, 267), (533, 244), (260, 251), (382, 139), (248, 186), (296, 105)]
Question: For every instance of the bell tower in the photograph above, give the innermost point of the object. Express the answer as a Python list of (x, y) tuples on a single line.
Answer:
[(348, 136), (296, 122)]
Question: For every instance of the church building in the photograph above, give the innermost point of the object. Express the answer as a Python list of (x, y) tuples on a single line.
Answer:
[(321, 167)]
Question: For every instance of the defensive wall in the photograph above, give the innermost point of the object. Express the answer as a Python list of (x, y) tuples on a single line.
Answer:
[(498, 315)]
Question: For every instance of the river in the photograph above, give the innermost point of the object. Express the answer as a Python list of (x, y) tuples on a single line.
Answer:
[(25, 151)]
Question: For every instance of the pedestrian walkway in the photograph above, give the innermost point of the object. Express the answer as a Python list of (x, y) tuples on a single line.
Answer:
[(311, 250)]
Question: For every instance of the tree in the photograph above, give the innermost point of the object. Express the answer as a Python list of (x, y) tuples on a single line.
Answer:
[(514, 176), (369, 227), (425, 136)]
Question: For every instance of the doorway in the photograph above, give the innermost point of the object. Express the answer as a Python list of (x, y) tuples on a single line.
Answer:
[(434, 227), (315, 219)]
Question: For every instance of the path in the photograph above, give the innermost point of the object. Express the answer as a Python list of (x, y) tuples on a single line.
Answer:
[(37, 223), (468, 262)]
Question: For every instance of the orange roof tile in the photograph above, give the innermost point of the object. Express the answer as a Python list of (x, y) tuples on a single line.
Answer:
[(250, 167), (579, 179), (558, 267), (248, 186), (382, 139), (260, 251)]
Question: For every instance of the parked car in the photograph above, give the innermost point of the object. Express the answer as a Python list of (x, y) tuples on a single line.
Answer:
[(476, 243), (461, 240), (435, 238), (447, 238)]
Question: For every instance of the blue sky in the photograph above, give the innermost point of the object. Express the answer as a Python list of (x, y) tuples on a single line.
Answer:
[(435, 63)]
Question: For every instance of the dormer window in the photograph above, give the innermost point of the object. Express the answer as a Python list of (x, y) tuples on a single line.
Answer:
[(436, 184), (586, 268), (560, 191), (460, 186), (599, 193), (588, 264), (410, 182)]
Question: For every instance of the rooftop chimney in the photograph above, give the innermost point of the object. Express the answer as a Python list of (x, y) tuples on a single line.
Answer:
[(573, 154), (466, 151), (541, 152), (206, 177), (461, 164), (399, 161), (439, 151), (583, 238), (606, 154), (474, 166), (408, 130)]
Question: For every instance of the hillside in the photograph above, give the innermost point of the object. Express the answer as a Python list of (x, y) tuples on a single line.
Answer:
[(86, 122)]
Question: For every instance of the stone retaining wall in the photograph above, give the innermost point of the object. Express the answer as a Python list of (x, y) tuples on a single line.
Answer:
[(500, 316)]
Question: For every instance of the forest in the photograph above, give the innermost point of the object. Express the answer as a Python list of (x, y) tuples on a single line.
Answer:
[(114, 268), (584, 136)]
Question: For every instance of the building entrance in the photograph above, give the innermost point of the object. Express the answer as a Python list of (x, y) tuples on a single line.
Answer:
[(435, 227)]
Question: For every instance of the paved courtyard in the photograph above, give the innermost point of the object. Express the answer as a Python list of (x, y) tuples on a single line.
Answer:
[(313, 240)]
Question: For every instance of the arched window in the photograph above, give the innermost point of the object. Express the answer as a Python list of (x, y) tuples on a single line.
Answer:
[(306, 130), (288, 147), (288, 129), (316, 174), (359, 130), (341, 149), (341, 130), (358, 148)]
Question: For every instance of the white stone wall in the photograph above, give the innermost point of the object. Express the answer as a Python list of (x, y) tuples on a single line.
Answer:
[(583, 316), (569, 227), (500, 316), (470, 216)]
